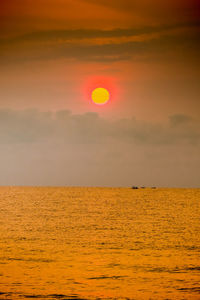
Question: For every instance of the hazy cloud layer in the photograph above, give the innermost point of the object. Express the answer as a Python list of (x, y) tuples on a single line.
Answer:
[(43, 148), (31, 126)]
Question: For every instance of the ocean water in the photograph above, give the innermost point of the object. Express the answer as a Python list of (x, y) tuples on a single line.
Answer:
[(99, 243)]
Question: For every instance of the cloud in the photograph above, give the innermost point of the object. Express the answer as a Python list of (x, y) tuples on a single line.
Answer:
[(80, 34), (46, 148), (30, 126), (164, 11), (104, 45), (180, 120)]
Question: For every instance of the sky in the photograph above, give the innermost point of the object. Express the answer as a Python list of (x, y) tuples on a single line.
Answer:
[(53, 53)]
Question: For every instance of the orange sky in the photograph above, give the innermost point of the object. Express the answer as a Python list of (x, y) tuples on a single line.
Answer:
[(51, 48), (25, 15), (53, 52)]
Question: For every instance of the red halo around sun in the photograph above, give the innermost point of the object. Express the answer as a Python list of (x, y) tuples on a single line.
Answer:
[(107, 83)]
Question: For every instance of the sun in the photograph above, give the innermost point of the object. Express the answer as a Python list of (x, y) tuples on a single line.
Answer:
[(100, 96)]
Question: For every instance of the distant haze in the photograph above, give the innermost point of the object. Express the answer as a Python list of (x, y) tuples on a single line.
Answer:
[(43, 148)]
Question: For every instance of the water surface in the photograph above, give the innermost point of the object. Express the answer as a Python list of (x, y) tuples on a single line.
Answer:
[(99, 243)]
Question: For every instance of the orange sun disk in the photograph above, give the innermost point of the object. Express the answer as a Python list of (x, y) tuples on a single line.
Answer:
[(100, 96)]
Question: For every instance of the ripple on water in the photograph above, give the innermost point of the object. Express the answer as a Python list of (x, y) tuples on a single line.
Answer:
[(113, 243)]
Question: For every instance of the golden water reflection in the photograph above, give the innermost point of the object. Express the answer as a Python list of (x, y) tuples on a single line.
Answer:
[(89, 243)]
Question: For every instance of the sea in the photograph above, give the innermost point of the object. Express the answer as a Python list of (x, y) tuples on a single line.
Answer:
[(99, 243)]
